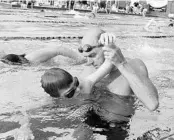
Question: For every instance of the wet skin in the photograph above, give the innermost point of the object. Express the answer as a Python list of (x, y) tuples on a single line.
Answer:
[(114, 82)]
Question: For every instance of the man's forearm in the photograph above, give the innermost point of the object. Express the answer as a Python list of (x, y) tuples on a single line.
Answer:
[(101, 72), (71, 54), (45, 54), (141, 85)]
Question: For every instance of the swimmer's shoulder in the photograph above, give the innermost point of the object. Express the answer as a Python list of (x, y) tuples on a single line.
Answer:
[(137, 64), (86, 85), (87, 71)]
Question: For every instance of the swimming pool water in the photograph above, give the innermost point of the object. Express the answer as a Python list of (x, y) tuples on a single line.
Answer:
[(27, 111)]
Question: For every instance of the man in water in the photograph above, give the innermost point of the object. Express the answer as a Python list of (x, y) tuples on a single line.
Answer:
[(122, 78), (155, 29), (90, 15), (98, 105), (40, 56), (109, 87), (126, 78)]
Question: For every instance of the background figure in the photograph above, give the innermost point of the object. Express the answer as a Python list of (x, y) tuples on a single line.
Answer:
[(154, 23), (145, 9), (144, 12), (84, 15), (95, 8), (137, 8), (171, 24), (171, 16), (40, 56), (128, 7), (103, 6), (114, 8)]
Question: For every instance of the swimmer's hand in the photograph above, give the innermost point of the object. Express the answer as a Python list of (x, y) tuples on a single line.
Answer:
[(113, 54), (107, 38)]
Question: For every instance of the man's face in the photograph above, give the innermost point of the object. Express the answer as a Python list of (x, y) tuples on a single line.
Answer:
[(93, 53), (91, 47)]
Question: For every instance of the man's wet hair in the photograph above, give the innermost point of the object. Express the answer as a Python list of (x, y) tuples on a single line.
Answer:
[(13, 59), (55, 79)]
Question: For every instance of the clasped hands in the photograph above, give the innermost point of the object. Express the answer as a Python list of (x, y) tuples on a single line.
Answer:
[(112, 53)]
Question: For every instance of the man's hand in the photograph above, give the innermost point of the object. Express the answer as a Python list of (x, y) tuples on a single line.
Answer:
[(107, 38), (113, 54)]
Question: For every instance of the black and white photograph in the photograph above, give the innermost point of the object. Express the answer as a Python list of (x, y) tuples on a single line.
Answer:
[(86, 69)]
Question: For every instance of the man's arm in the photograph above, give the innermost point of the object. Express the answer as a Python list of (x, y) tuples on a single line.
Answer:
[(139, 82), (141, 85), (101, 72), (107, 66), (89, 81), (45, 54)]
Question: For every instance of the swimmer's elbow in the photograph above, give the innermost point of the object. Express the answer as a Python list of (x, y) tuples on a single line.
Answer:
[(153, 101), (153, 106)]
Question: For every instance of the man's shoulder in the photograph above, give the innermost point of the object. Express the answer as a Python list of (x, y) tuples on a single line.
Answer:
[(87, 71), (136, 63), (85, 85)]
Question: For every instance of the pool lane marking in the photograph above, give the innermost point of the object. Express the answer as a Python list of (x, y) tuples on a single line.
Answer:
[(62, 21), (74, 37)]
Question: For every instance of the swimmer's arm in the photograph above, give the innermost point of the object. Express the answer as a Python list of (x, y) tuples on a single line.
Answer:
[(46, 54), (71, 54), (141, 85), (101, 72)]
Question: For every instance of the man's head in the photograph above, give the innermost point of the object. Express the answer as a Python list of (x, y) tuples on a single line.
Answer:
[(13, 59), (91, 47), (59, 83)]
